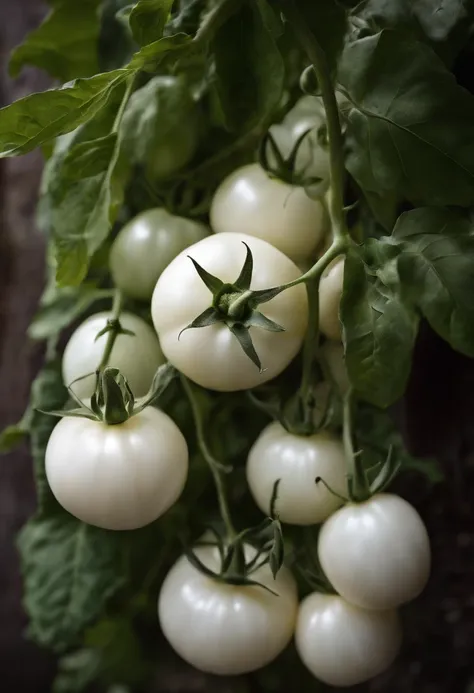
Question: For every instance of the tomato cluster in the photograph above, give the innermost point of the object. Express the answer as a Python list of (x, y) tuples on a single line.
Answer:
[(374, 551)]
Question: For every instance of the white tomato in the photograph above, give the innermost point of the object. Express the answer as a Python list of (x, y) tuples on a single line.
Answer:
[(226, 629), (120, 476), (137, 356), (297, 461), (212, 356), (146, 245), (252, 202), (342, 644), (376, 554)]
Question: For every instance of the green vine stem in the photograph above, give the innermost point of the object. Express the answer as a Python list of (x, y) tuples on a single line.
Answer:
[(114, 329), (347, 433), (334, 133), (214, 465), (309, 348)]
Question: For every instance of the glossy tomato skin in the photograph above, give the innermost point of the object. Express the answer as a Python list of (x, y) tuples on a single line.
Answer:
[(226, 629), (146, 245), (117, 477), (376, 554), (252, 202), (212, 356), (342, 644), (137, 357), (297, 461), (330, 292)]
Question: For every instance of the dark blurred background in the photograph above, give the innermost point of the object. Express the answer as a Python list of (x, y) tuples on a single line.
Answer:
[(437, 415)]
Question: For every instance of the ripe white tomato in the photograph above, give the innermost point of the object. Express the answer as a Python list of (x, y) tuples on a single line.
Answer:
[(226, 629), (138, 357), (120, 476), (146, 245), (330, 292), (342, 644), (376, 554), (212, 356), (250, 201), (297, 461)]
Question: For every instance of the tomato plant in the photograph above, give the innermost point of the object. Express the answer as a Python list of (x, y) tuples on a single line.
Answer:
[(249, 209)]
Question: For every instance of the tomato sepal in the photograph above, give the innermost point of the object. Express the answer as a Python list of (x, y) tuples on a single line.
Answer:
[(235, 305)]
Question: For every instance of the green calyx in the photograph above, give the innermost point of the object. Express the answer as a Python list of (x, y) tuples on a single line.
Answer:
[(364, 483), (285, 168), (235, 567), (235, 305), (113, 401)]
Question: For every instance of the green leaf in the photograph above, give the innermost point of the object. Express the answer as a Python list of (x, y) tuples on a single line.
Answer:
[(376, 434), (47, 393), (327, 20), (148, 18), (443, 23), (436, 267), (60, 307), (116, 45), (271, 18), (379, 331), (121, 658), (70, 570), (76, 671), (411, 128), (12, 436), (65, 44), (34, 120), (156, 114), (150, 57), (251, 88), (85, 199)]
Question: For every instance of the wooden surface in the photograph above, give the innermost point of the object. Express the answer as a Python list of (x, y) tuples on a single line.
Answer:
[(439, 653)]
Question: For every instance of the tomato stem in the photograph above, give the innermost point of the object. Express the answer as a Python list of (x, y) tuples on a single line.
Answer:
[(214, 465), (309, 349), (336, 151), (114, 330)]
